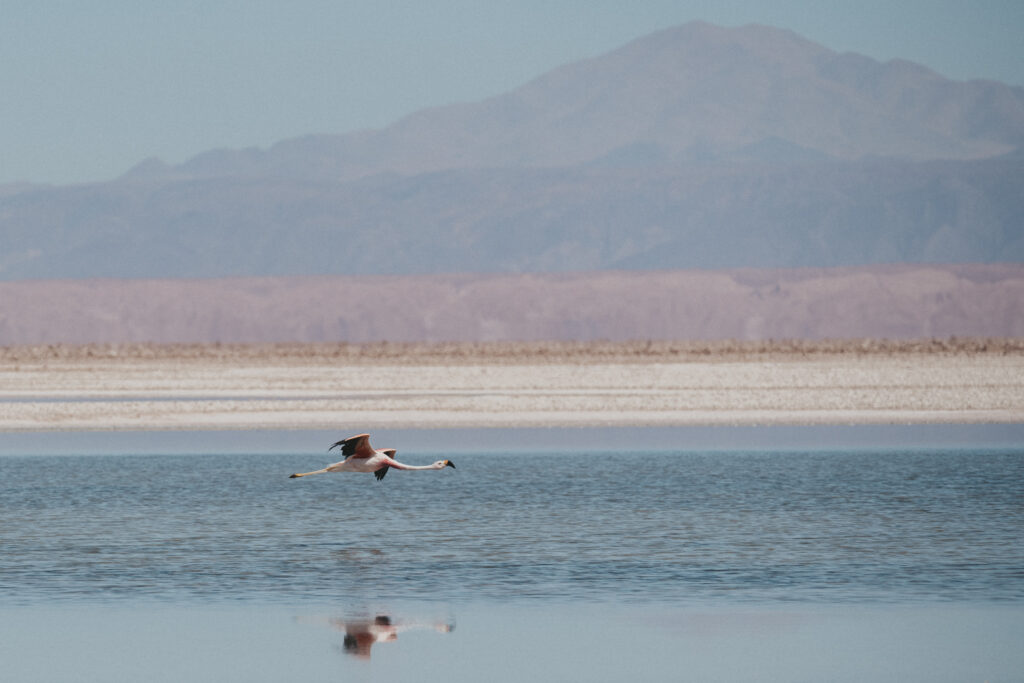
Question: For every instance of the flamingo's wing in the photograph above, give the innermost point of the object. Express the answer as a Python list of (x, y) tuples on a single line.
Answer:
[(380, 472), (355, 446)]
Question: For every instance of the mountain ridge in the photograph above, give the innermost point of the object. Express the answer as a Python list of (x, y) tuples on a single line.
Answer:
[(695, 147), (714, 48)]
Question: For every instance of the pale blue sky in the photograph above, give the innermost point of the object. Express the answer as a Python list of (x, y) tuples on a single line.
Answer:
[(90, 88)]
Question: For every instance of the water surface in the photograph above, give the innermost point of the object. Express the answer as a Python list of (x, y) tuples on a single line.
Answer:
[(845, 564), (840, 526)]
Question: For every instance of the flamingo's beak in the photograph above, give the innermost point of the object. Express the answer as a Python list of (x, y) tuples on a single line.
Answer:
[(449, 463)]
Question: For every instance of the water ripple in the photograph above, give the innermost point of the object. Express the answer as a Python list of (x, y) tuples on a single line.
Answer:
[(852, 526)]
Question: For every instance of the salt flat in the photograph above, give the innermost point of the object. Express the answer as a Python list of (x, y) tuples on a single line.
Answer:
[(508, 385)]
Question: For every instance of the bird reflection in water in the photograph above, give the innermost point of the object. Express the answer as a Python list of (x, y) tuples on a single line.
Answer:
[(362, 633)]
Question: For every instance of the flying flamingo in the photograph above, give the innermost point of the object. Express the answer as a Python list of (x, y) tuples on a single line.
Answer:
[(360, 456)]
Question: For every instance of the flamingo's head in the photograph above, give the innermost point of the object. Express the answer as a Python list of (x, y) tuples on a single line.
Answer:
[(441, 464)]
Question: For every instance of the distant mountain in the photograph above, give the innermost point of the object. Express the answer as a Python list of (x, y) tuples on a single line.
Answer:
[(693, 93), (518, 220), (695, 147)]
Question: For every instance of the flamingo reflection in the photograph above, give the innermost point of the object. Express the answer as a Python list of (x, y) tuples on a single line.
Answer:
[(362, 633)]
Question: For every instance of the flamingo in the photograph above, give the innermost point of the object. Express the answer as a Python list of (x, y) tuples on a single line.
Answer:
[(360, 456)]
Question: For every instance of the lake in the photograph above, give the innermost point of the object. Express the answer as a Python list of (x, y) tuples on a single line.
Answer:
[(847, 562)]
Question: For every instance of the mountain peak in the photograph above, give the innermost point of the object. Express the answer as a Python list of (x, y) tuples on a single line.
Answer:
[(700, 43), (692, 91), (701, 86)]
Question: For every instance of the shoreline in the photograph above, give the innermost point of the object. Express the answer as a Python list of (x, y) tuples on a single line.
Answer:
[(455, 352), (504, 384)]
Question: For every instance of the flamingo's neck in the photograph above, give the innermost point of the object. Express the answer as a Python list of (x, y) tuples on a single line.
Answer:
[(415, 467)]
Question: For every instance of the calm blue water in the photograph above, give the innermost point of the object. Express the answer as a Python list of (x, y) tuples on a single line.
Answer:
[(874, 526)]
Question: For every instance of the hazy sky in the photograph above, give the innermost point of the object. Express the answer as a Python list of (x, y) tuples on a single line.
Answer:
[(88, 88)]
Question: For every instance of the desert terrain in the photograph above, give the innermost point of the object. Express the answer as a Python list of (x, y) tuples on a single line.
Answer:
[(506, 384), (920, 301)]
